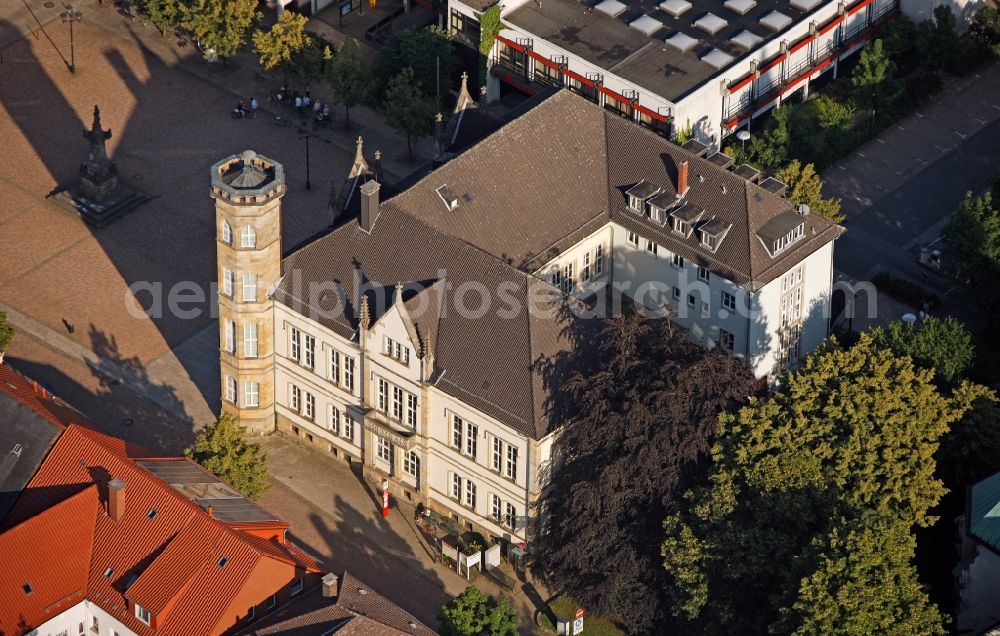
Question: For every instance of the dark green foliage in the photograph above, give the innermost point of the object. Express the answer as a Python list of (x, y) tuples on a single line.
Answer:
[(489, 29), (350, 76), (807, 524), (6, 332), (985, 29), (166, 15), (222, 448), (220, 26), (407, 109), (420, 50), (944, 346), (642, 417), (970, 451), (904, 289), (472, 613)]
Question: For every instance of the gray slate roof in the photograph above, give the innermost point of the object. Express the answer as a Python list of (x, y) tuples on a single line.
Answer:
[(532, 189), (33, 434)]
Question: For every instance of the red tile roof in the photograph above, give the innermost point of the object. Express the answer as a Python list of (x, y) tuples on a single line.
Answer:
[(166, 546)]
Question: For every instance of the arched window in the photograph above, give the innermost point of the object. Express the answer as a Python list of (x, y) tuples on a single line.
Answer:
[(227, 233), (249, 237)]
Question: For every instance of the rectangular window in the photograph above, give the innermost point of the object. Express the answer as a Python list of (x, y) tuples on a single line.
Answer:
[(729, 301), (633, 238), (497, 454), (310, 406), (599, 260), (348, 426), (228, 282), (231, 389), (383, 395), (585, 270), (397, 403), (295, 349), (510, 516), (251, 614), (557, 277), (229, 340), (384, 449), (310, 352), (511, 468), (271, 602), (568, 282), (470, 493), (142, 614), (297, 586), (471, 437), (703, 273), (334, 366), (496, 510), (652, 247), (705, 311), (249, 288), (411, 410), (678, 261), (692, 301), (334, 424), (457, 426), (726, 340), (676, 293), (250, 340), (251, 394), (680, 226), (456, 486), (349, 374), (411, 464), (295, 398)]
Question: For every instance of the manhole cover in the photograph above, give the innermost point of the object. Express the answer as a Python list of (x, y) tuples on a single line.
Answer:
[(49, 5)]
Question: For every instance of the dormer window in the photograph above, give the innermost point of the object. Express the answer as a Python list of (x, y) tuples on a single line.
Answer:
[(684, 218), (782, 231), (712, 233), (658, 206), (657, 214), (142, 613), (638, 194), (788, 239), (681, 227)]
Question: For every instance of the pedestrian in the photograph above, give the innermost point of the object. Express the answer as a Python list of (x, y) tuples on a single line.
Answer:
[(253, 104), (307, 89), (317, 106), (326, 110), (305, 101), (298, 103)]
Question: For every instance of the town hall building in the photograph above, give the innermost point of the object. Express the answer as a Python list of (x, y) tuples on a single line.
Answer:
[(416, 336)]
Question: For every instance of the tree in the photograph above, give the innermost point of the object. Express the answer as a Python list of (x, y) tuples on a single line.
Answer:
[(985, 29), (873, 78), (164, 14), (806, 525), (944, 346), (472, 613), (770, 150), (642, 417), (971, 449), (220, 27), (407, 109), (805, 186), (490, 25), (223, 450), (277, 46), (6, 334), (428, 52), (350, 77)]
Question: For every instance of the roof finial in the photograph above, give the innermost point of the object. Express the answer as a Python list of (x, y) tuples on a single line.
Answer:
[(365, 317), (360, 166), (399, 292), (464, 98)]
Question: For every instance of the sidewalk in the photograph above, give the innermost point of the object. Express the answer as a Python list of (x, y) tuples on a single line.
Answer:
[(242, 77)]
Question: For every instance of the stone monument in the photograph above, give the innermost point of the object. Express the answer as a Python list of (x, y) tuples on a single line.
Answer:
[(100, 196)]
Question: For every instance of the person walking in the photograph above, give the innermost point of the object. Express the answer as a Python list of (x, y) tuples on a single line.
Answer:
[(253, 104), (305, 102), (298, 104)]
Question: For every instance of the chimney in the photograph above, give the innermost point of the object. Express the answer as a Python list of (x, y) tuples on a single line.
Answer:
[(369, 205), (331, 585), (211, 511), (116, 499), (682, 178)]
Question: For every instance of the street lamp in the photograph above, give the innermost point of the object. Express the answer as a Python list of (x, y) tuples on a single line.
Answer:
[(71, 15), (305, 134), (743, 136)]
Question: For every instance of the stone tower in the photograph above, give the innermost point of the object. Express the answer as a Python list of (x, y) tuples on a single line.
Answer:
[(247, 189)]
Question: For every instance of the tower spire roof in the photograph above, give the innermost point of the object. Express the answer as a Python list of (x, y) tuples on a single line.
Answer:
[(360, 166), (464, 98)]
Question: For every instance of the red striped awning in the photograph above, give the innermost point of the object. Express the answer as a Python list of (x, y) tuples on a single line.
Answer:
[(512, 44), (822, 65), (802, 43), (740, 84), (734, 123), (610, 93), (772, 64), (544, 60), (580, 78), (858, 7), (651, 113), (831, 24)]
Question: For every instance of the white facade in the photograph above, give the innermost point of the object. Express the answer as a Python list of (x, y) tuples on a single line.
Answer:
[(86, 617), (727, 99)]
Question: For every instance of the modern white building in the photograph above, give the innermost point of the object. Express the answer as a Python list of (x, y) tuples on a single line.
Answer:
[(422, 335), (712, 65)]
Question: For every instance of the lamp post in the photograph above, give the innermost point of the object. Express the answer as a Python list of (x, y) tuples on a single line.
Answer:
[(71, 15), (305, 134)]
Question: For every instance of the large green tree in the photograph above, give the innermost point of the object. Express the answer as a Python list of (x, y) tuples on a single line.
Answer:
[(220, 27), (407, 109), (642, 411), (805, 186), (985, 29), (165, 15), (223, 449), (807, 524), (873, 79), (350, 76), (277, 46), (473, 613), (428, 52), (944, 346)]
